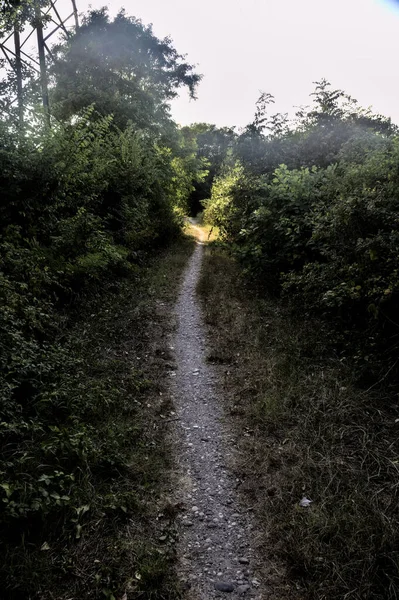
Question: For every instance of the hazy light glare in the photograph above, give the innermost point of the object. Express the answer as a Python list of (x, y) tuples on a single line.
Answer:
[(279, 46), (393, 4)]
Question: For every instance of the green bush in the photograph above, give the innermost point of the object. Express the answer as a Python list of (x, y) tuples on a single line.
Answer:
[(86, 198), (325, 237), (82, 205)]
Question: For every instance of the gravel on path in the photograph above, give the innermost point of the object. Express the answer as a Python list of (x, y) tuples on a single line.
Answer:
[(215, 555)]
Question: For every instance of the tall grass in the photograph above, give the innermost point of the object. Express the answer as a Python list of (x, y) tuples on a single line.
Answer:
[(310, 432)]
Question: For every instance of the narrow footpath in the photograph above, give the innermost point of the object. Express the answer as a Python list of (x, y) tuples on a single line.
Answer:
[(215, 557)]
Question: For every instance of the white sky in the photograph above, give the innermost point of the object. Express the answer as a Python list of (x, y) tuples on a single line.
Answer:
[(277, 46)]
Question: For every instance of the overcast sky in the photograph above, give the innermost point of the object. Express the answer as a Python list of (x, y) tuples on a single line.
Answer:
[(277, 46)]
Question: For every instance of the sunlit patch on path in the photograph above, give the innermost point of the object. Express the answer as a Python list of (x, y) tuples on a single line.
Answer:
[(196, 231)]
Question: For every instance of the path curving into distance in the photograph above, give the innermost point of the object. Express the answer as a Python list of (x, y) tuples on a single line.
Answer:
[(214, 549)]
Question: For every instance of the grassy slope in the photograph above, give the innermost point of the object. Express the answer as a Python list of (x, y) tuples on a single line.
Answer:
[(307, 432), (111, 541)]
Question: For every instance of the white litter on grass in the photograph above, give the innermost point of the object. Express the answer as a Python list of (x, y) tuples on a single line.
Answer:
[(305, 502)]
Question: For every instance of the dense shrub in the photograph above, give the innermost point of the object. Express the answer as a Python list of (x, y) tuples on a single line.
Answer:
[(78, 206), (325, 234), (85, 199)]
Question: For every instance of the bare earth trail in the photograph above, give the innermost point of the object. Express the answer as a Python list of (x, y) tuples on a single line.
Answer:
[(216, 558)]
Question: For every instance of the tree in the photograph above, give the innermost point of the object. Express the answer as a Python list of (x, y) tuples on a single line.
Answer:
[(121, 68)]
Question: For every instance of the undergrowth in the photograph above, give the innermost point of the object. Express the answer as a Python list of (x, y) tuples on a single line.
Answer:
[(309, 207), (82, 487), (309, 432)]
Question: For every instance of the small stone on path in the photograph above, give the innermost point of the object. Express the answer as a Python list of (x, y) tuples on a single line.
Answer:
[(222, 586), (243, 589)]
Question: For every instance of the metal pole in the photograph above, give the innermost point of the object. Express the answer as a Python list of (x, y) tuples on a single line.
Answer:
[(18, 72), (75, 14), (42, 61)]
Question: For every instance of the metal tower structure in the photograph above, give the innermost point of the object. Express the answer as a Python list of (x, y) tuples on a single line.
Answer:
[(52, 19)]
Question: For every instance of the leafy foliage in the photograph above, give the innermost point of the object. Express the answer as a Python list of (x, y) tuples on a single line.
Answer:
[(312, 213), (84, 204), (122, 69), (17, 12), (212, 145)]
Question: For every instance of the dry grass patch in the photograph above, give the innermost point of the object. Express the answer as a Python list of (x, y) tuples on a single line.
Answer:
[(306, 432)]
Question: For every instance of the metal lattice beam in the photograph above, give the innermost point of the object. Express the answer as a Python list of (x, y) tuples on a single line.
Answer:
[(18, 59)]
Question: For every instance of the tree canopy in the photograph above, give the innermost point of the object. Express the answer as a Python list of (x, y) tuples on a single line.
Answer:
[(121, 68)]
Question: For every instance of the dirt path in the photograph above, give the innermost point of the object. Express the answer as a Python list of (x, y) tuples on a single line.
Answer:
[(215, 531)]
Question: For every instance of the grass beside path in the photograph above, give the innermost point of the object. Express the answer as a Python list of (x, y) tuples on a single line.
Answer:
[(110, 536), (306, 431)]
